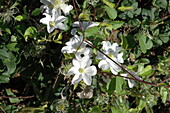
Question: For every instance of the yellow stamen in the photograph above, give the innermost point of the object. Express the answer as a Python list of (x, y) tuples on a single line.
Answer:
[(111, 56), (52, 24), (81, 70)]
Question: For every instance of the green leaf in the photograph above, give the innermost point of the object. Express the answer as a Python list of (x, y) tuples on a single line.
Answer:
[(147, 71), (30, 32), (91, 31), (3, 54), (116, 110), (13, 47), (112, 13), (117, 24), (144, 42), (142, 104), (84, 16), (111, 86), (161, 3), (143, 61), (115, 84), (111, 5), (134, 22), (125, 8), (21, 17), (4, 78), (164, 94), (124, 42), (36, 12), (164, 38), (119, 83), (60, 36), (11, 66), (11, 94), (7, 30)]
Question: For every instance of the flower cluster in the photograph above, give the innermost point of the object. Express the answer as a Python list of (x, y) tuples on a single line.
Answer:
[(52, 10), (82, 68), (110, 56)]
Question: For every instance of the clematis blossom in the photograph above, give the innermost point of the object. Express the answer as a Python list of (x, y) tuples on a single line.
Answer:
[(54, 21), (113, 51), (75, 44), (85, 53), (82, 70), (85, 25), (53, 6)]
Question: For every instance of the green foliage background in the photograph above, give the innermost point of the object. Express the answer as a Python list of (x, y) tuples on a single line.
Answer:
[(33, 69)]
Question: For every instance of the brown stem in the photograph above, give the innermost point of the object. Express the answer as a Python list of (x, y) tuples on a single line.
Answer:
[(16, 97), (2, 110)]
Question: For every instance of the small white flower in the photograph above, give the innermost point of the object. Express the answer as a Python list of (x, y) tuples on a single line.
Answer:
[(54, 21), (82, 70), (51, 6), (85, 25), (75, 44), (85, 53), (131, 82), (113, 52)]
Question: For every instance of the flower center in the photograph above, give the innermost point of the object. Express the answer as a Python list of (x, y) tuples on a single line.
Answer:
[(52, 24), (57, 3), (81, 70), (111, 56)]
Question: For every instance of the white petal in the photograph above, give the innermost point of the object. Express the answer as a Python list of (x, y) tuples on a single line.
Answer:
[(100, 56), (76, 63), (60, 26), (84, 53), (115, 72), (114, 68), (75, 24), (66, 8), (66, 49), (76, 79), (131, 83), (125, 75), (85, 62), (73, 31), (103, 65), (50, 29), (106, 45), (45, 2), (73, 71), (60, 19), (92, 25), (119, 58), (91, 71), (46, 19), (87, 79), (114, 46)]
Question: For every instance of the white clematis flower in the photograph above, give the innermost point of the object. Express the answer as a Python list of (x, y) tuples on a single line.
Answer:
[(131, 82), (85, 53), (54, 21), (85, 25), (51, 6), (82, 70), (75, 44), (113, 52)]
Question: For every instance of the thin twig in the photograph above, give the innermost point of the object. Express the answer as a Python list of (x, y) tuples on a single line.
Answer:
[(2, 109), (56, 80), (17, 97)]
